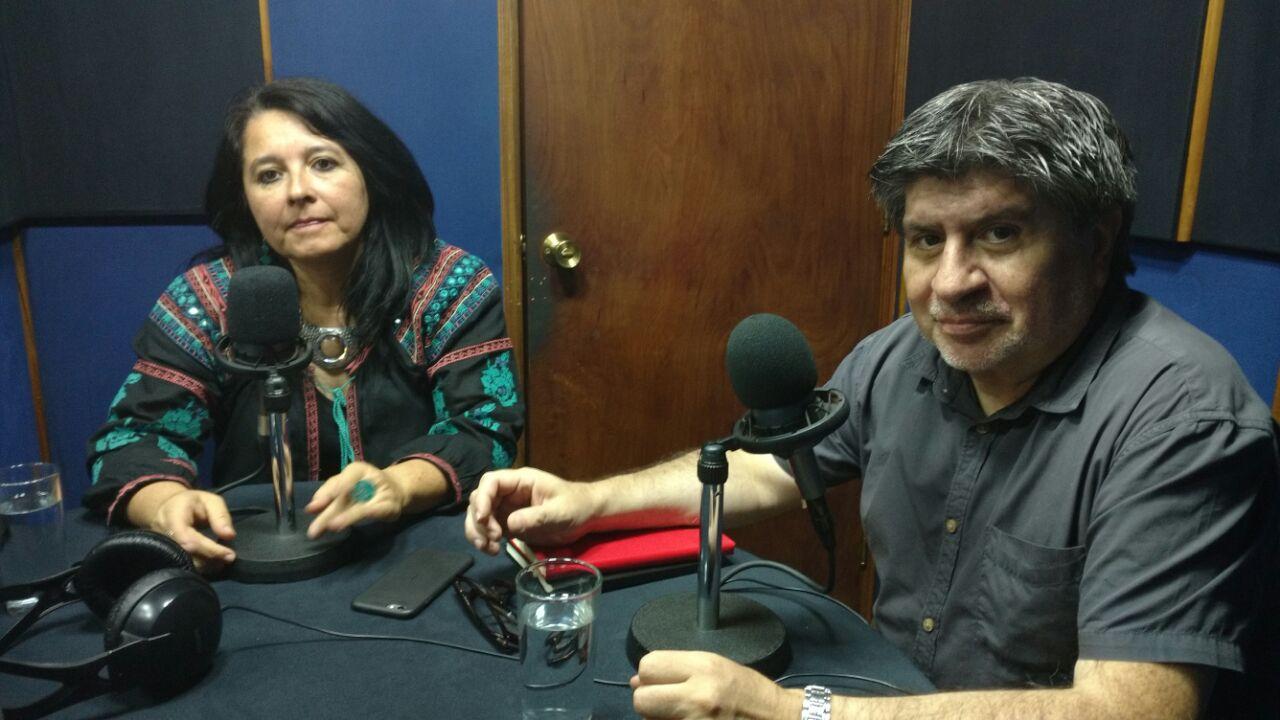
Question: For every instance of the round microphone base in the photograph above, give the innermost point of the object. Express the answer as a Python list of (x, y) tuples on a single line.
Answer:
[(265, 554), (748, 633)]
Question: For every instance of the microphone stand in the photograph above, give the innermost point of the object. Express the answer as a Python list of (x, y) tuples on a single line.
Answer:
[(732, 626), (713, 470), (275, 409), (277, 549)]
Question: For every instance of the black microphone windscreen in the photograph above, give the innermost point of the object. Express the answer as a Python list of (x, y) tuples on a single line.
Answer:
[(769, 362), (262, 307)]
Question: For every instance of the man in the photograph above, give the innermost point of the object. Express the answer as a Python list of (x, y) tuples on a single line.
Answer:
[(1068, 490)]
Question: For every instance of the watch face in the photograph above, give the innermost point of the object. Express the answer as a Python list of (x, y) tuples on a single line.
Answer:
[(817, 703)]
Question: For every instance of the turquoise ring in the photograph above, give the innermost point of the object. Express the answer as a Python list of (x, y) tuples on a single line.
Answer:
[(363, 491)]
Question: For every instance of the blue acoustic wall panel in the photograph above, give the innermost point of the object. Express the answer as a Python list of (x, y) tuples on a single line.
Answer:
[(1234, 297), (91, 289), (1138, 56), (430, 70), (18, 440), (115, 104), (1237, 205)]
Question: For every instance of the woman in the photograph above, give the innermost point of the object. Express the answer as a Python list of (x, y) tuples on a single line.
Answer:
[(410, 395)]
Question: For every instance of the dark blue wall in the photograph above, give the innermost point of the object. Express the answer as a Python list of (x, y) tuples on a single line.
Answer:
[(91, 289), (1232, 296), (430, 70)]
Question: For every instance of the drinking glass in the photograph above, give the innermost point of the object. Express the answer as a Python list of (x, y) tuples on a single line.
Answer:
[(32, 531), (556, 601)]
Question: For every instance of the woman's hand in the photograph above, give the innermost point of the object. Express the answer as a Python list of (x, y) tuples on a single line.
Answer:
[(363, 491), (175, 510)]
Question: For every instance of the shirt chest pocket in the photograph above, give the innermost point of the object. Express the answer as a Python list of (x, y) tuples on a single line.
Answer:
[(1028, 599)]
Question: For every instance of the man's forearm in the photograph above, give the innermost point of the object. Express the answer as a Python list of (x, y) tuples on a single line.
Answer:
[(669, 493), (989, 704), (1103, 690)]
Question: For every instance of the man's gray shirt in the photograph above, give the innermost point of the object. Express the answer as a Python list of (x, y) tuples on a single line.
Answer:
[(1123, 509)]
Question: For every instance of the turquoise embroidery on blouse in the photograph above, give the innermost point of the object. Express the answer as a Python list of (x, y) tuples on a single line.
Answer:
[(170, 448), (498, 380), (184, 421), (129, 379), (501, 458), (117, 438), (482, 415), (442, 426), (183, 303), (182, 317), (468, 271)]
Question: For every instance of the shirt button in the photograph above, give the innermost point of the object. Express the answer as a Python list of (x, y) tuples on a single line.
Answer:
[(982, 428), (952, 525), (928, 624)]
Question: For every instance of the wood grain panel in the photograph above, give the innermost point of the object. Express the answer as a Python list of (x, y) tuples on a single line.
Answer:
[(1275, 400), (264, 29), (710, 160), (512, 187), (1199, 120), (29, 342)]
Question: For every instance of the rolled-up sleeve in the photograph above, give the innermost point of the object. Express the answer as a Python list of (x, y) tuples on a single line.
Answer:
[(1185, 591)]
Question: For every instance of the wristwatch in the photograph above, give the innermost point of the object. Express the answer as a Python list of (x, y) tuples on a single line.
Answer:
[(817, 703)]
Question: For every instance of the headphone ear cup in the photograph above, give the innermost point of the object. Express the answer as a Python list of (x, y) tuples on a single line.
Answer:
[(170, 602), (117, 562)]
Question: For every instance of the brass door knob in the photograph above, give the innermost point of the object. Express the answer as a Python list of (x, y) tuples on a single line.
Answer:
[(559, 250)]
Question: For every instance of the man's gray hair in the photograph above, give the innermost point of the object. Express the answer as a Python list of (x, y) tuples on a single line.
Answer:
[(1063, 143)]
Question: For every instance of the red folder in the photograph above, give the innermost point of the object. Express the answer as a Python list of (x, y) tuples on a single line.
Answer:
[(618, 553)]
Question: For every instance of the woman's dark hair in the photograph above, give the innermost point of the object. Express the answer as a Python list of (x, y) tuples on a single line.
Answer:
[(398, 233)]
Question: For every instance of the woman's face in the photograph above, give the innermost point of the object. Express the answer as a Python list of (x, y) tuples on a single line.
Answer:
[(307, 195)]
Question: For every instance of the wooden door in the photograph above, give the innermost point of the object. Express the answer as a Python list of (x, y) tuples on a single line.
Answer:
[(709, 160)]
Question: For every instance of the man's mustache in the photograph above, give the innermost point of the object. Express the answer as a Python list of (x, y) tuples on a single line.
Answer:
[(976, 310)]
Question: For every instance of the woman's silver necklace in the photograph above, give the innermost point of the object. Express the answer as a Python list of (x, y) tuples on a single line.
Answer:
[(332, 348)]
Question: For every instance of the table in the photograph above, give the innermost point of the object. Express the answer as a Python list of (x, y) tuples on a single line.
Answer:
[(266, 668)]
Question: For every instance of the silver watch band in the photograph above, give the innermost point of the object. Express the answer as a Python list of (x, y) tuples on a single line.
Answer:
[(817, 703)]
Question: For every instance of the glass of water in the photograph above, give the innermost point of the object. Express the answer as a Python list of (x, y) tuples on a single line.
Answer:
[(556, 601), (32, 532)]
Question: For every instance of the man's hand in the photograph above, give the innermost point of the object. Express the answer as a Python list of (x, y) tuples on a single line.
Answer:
[(674, 684), (529, 504), (177, 511)]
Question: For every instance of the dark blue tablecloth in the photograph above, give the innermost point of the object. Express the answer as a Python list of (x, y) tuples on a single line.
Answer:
[(270, 669)]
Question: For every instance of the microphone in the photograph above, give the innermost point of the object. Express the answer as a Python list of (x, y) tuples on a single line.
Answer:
[(773, 373), (263, 323), (263, 341)]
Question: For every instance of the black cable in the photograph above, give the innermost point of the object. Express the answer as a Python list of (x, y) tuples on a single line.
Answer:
[(806, 591), (845, 676), (732, 573), (731, 576), (360, 636), (223, 489), (612, 683), (768, 565)]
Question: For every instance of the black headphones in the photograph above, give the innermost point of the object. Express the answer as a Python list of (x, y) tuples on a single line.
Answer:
[(162, 621)]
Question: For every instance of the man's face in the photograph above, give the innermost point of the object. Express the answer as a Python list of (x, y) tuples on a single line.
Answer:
[(1001, 284)]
